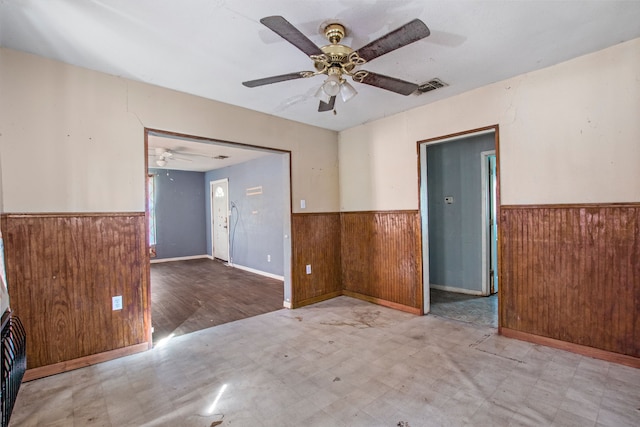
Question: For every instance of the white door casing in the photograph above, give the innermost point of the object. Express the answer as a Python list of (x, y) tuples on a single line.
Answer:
[(220, 219), (494, 223), (488, 222)]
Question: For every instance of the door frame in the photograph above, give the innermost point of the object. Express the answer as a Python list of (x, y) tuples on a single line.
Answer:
[(423, 205), (485, 216), (213, 230)]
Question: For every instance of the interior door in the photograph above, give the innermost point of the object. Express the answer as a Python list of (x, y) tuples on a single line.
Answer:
[(220, 219)]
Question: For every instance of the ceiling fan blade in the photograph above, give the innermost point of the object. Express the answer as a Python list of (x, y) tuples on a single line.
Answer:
[(389, 83), (274, 79), (324, 106), (407, 34), (284, 29)]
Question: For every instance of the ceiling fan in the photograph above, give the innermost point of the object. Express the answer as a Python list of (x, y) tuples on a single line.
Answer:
[(163, 156), (338, 61)]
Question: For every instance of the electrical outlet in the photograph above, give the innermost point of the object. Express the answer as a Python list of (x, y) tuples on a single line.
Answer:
[(116, 302), (308, 268)]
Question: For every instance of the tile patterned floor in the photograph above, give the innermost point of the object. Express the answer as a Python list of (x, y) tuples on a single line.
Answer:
[(342, 362), (465, 308)]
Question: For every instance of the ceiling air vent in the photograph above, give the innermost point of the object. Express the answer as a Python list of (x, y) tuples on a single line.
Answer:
[(430, 85), (221, 157)]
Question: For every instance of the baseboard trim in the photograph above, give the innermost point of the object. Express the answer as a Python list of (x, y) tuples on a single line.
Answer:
[(69, 365), (584, 350), (261, 273), (314, 300), (385, 303), (457, 290), (180, 258), (286, 304)]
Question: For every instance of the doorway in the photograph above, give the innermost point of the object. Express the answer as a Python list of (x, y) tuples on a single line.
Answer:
[(200, 176), (459, 207), (219, 191)]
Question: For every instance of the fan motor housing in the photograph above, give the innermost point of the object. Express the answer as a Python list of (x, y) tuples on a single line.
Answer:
[(337, 54)]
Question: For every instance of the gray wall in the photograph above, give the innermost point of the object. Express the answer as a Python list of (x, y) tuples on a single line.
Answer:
[(455, 230), (257, 225), (180, 213)]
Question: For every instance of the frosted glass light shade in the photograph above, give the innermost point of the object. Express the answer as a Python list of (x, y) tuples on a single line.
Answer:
[(331, 86), (347, 91), (322, 95)]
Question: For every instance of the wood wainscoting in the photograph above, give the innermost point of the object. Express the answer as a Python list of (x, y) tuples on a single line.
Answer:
[(572, 273), (63, 270), (381, 258), (316, 242)]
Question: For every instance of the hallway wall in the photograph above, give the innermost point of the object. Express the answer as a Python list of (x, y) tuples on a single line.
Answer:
[(256, 224), (455, 230), (180, 213)]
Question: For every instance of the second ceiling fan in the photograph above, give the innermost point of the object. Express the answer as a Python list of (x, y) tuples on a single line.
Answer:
[(338, 61)]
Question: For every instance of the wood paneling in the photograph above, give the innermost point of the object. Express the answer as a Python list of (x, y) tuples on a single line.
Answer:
[(381, 257), (63, 270), (572, 273), (315, 241)]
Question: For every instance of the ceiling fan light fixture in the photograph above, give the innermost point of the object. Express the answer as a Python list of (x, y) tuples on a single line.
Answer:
[(337, 60), (322, 95), (347, 91), (331, 86)]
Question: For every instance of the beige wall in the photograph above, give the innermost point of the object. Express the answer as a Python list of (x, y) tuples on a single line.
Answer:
[(568, 134), (72, 140), (4, 295)]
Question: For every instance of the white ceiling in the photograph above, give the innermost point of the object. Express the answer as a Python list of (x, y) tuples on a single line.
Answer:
[(198, 155), (208, 47)]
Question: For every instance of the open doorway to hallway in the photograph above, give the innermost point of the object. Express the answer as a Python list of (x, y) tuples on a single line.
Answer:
[(199, 276), (459, 207)]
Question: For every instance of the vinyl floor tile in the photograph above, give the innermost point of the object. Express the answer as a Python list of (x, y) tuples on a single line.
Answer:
[(478, 310), (341, 362)]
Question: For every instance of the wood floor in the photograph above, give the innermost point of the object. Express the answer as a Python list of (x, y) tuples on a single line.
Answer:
[(187, 296)]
